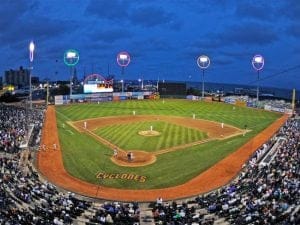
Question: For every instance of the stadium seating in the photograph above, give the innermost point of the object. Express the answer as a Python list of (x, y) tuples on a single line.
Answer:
[(263, 193)]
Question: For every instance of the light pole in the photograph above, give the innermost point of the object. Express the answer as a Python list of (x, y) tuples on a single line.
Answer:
[(47, 96), (122, 85), (203, 62), (31, 50), (140, 80), (157, 84), (258, 63), (123, 60), (71, 58)]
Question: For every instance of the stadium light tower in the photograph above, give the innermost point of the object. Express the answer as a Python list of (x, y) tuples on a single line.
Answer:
[(140, 80), (203, 62), (258, 63), (71, 58), (31, 51), (123, 60)]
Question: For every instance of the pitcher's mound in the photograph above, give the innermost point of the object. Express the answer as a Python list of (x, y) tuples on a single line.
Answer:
[(149, 133), (139, 158)]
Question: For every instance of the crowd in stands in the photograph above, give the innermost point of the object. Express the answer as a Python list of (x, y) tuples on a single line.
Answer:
[(27, 199), (262, 193), (15, 126), (117, 213)]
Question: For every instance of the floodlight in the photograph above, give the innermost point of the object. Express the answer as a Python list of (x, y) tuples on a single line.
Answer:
[(31, 50), (258, 59), (123, 57), (31, 46), (71, 54), (258, 62), (203, 59)]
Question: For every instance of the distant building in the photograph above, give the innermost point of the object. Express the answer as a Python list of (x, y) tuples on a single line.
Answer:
[(35, 80), (18, 78)]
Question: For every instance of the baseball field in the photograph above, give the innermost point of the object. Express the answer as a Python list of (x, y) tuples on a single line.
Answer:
[(170, 142)]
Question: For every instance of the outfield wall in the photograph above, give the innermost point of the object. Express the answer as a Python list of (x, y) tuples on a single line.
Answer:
[(244, 101), (103, 97), (280, 106)]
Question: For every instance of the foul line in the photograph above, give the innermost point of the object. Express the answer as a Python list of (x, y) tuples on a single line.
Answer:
[(70, 132), (63, 115)]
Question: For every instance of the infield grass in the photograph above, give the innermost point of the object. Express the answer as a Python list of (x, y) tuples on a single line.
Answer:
[(127, 136), (84, 157)]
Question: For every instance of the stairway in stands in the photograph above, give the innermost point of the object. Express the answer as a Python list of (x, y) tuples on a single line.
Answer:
[(146, 216)]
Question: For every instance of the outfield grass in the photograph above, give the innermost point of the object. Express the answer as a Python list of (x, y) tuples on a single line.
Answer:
[(83, 156), (127, 136)]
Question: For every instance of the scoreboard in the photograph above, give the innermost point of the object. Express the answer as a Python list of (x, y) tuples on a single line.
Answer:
[(95, 83)]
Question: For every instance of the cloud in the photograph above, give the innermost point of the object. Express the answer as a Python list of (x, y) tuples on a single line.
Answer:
[(294, 30), (220, 61), (236, 55), (208, 42), (122, 12), (10, 11), (150, 16), (296, 51), (112, 35), (175, 25), (248, 34), (112, 10), (95, 45), (205, 45), (204, 6), (37, 28), (291, 9), (152, 44), (254, 10)]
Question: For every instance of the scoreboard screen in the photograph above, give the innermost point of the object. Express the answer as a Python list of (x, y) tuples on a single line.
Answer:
[(95, 83), (96, 88)]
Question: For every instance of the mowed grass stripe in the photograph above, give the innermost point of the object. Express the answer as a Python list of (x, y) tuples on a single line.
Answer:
[(117, 133), (126, 135), (189, 135), (168, 136), (160, 143), (172, 134), (177, 138), (193, 134), (184, 135), (109, 131)]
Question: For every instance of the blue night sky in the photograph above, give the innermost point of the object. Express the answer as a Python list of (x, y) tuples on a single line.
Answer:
[(163, 37)]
